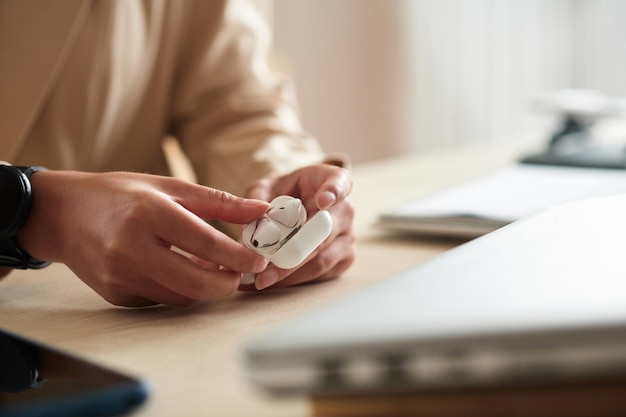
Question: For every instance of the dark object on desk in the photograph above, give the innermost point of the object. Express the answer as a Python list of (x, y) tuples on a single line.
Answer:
[(573, 167), (594, 156), (38, 381), (573, 146)]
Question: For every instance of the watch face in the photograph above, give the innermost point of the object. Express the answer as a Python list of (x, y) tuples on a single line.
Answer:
[(12, 190)]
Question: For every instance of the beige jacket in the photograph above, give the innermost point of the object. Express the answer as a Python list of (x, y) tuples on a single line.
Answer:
[(95, 85)]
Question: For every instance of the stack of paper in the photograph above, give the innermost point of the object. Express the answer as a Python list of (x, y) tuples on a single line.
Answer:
[(485, 204)]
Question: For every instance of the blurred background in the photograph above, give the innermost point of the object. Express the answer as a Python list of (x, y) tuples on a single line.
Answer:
[(378, 78)]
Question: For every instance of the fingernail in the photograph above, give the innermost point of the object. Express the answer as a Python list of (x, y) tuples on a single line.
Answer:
[(254, 202), (267, 279), (261, 265), (248, 278), (326, 199)]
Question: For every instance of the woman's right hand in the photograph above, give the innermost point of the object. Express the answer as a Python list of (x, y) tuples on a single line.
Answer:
[(115, 231)]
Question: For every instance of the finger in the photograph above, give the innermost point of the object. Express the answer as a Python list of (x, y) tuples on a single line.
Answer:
[(131, 287), (203, 263), (329, 263), (336, 187), (343, 218), (213, 247), (183, 277), (328, 184), (167, 278), (193, 235), (127, 300), (140, 291), (138, 253), (319, 264), (343, 215), (209, 203)]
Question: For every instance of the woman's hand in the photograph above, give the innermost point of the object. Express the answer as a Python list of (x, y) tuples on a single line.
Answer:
[(115, 231), (319, 187)]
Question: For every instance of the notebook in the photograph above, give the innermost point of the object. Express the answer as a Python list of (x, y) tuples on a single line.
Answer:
[(490, 202), (542, 299)]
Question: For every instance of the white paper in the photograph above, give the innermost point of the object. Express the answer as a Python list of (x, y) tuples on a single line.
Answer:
[(510, 194)]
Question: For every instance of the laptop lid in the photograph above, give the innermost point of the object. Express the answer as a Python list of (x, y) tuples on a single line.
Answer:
[(541, 299)]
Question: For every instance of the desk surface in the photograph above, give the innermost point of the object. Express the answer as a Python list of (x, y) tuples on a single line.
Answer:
[(191, 357)]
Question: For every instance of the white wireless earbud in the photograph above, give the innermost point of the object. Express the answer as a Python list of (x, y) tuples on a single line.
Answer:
[(262, 235), (284, 236), (287, 211)]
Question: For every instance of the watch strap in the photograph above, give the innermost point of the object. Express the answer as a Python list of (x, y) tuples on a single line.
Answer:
[(11, 255), (30, 170)]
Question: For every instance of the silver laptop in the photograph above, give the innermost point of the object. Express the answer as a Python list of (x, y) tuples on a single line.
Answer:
[(542, 299)]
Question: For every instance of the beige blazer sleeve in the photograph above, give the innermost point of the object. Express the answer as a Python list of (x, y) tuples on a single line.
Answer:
[(237, 121), (121, 76)]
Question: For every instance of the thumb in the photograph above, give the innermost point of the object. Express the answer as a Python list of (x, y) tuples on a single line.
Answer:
[(336, 185)]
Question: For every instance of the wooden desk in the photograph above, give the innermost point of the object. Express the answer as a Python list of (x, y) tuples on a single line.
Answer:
[(191, 357)]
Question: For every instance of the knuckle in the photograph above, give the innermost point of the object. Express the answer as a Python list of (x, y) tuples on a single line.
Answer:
[(330, 265), (342, 176), (222, 202), (349, 209), (114, 252), (222, 197), (129, 216), (349, 259), (321, 263), (136, 206), (351, 237), (225, 198), (338, 270), (342, 172)]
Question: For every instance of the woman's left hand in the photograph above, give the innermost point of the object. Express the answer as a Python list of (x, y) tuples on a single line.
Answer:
[(319, 187)]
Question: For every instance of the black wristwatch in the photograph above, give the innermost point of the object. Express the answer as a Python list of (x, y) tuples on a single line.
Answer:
[(16, 194)]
